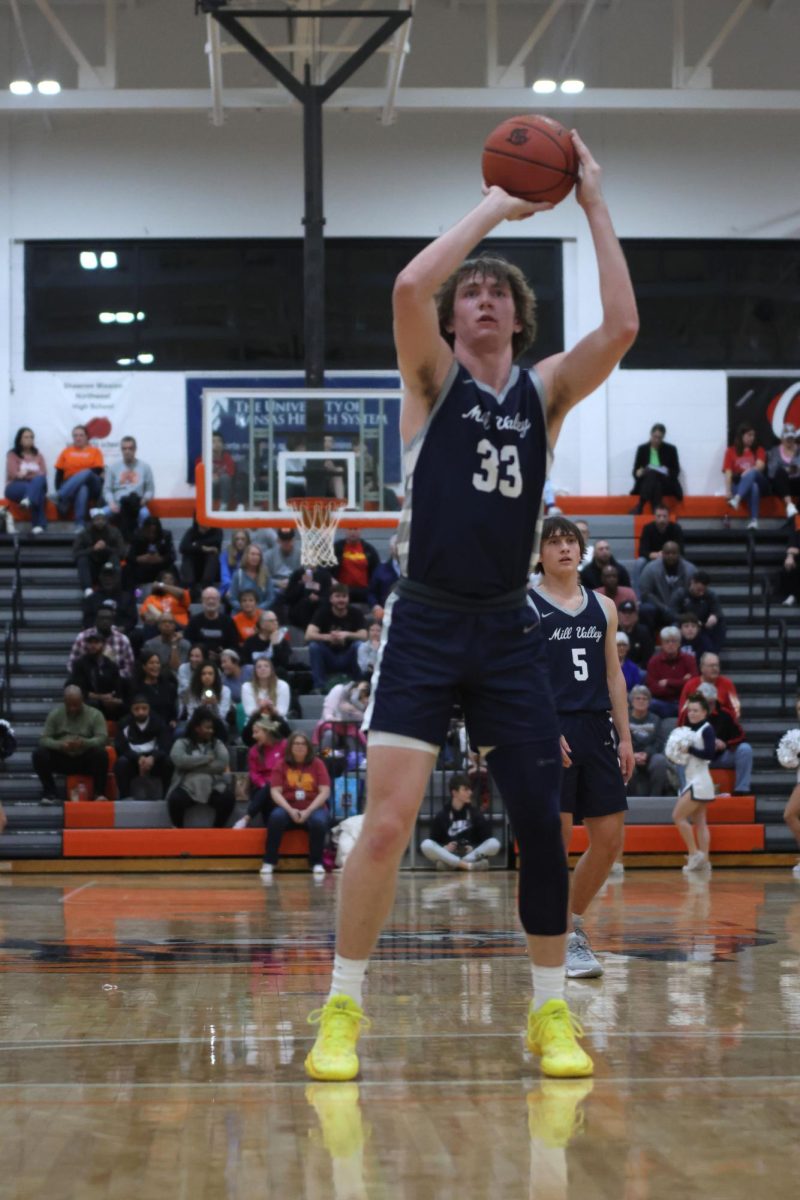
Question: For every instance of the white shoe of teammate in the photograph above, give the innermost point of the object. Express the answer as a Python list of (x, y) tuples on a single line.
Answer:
[(796, 870), (581, 963), (695, 862)]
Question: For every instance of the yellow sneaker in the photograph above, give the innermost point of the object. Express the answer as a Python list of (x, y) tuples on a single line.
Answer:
[(340, 1119), (552, 1034), (333, 1055), (554, 1113)]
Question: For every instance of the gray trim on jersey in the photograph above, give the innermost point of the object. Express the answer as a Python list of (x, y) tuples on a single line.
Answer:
[(499, 396), (570, 612), (536, 380)]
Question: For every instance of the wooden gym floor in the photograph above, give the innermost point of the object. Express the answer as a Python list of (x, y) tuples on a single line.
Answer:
[(153, 1030)]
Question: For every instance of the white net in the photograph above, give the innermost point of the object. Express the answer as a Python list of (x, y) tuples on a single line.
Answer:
[(317, 521)]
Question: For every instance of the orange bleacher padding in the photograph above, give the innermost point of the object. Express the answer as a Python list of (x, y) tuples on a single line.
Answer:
[(724, 778), (690, 506), (182, 507), (732, 810), (74, 780), (92, 814), (665, 839), (176, 843)]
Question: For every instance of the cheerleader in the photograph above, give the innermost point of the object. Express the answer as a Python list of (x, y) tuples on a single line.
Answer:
[(692, 746), (788, 754)]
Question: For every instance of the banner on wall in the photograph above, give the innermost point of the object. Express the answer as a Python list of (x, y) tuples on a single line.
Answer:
[(768, 402), (104, 406)]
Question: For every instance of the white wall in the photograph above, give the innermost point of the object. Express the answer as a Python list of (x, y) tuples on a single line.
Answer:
[(174, 175)]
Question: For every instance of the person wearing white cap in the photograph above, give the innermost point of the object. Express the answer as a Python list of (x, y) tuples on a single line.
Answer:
[(783, 469)]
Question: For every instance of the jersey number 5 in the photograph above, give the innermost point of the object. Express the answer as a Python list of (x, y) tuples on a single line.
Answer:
[(499, 471), (580, 664)]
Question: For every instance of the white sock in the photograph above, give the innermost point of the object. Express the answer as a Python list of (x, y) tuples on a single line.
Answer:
[(549, 983), (348, 977)]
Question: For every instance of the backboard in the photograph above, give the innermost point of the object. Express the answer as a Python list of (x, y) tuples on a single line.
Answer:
[(265, 447)]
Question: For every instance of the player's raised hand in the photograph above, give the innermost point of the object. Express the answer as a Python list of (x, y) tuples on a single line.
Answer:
[(512, 207), (590, 175)]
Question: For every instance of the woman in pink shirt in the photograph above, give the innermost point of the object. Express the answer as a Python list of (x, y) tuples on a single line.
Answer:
[(26, 478), (743, 468), (266, 752)]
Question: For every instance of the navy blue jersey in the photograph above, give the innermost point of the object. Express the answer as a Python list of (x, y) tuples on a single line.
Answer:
[(474, 477), (576, 652)]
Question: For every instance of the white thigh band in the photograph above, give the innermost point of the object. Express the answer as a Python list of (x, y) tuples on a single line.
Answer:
[(400, 742)]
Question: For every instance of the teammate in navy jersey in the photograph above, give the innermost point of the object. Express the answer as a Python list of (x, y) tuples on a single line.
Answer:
[(580, 631), (475, 430)]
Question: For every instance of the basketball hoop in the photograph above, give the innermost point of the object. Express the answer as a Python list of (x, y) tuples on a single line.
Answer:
[(317, 519)]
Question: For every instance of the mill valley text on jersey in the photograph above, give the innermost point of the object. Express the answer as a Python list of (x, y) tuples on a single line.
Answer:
[(576, 652)]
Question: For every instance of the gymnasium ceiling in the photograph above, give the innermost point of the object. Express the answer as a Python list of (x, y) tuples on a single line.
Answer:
[(633, 55)]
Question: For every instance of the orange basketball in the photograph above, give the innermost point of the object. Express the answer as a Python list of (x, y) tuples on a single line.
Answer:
[(532, 157)]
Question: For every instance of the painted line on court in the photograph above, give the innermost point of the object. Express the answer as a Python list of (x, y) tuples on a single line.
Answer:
[(77, 891)]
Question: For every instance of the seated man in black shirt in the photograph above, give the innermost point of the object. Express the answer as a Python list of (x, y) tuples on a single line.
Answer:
[(697, 597), (98, 678), (657, 532), (591, 574), (333, 635), (461, 836), (142, 745), (641, 642), (111, 595), (268, 641), (306, 590), (211, 628)]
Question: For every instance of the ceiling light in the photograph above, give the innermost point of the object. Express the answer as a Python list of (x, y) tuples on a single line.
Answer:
[(125, 362), (88, 260), (20, 87), (108, 259), (48, 87), (544, 87), (106, 318), (124, 318), (573, 86), (140, 316), (146, 359)]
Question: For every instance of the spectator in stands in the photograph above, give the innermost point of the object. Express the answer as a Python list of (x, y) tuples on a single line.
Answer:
[(166, 596), (98, 678), (223, 475), (367, 652), (647, 734), (187, 669), (461, 835), (732, 750), (282, 561), (142, 745), (640, 640), (207, 691), (744, 469), (697, 597), (609, 578), (667, 671), (151, 552), (588, 553), (233, 675), (110, 594), (693, 640), (696, 786), (200, 761), (358, 560), (660, 530), (267, 751), (73, 742), (265, 692), (306, 590), (632, 674), (783, 469), (791, 813), (384, 577), (158, 685), (168, 643), (270, 640), (212, 629), (332, 635), (662, 580), (251, 575), (117, 647), (129, 488), (709, 672), (232, 557), (300, 787), (789, 576), (247, 618), (656, 471), (94, 546), (26, 478), (79, 476), (591, 574), (200, 549), (339, 728)]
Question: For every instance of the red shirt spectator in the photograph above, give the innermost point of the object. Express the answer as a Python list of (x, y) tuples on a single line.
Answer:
[(669, 669), (737, 462), (727, 696), (300, 783), (262, 760)]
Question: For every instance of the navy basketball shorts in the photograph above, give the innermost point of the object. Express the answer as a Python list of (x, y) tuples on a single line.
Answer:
[(593, 786), (493, 664)]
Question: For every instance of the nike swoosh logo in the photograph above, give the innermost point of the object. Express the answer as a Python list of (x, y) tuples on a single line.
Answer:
[(546, 615)]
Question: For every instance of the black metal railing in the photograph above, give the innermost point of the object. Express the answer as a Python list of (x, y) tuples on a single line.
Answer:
[(766, 600), (751, 570)]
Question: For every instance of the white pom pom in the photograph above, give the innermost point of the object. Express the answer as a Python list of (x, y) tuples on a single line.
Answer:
[(788, 752), (677, 747)]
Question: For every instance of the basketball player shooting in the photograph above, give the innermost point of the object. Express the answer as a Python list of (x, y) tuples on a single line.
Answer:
[(476, 430), (580, 632)]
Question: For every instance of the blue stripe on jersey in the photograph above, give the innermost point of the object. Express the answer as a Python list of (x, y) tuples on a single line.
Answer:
[(576, 651), (473, 485)]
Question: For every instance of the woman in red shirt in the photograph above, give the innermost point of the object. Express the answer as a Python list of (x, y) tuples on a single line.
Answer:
[(300, 787), (263, 757), (743, 467)]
